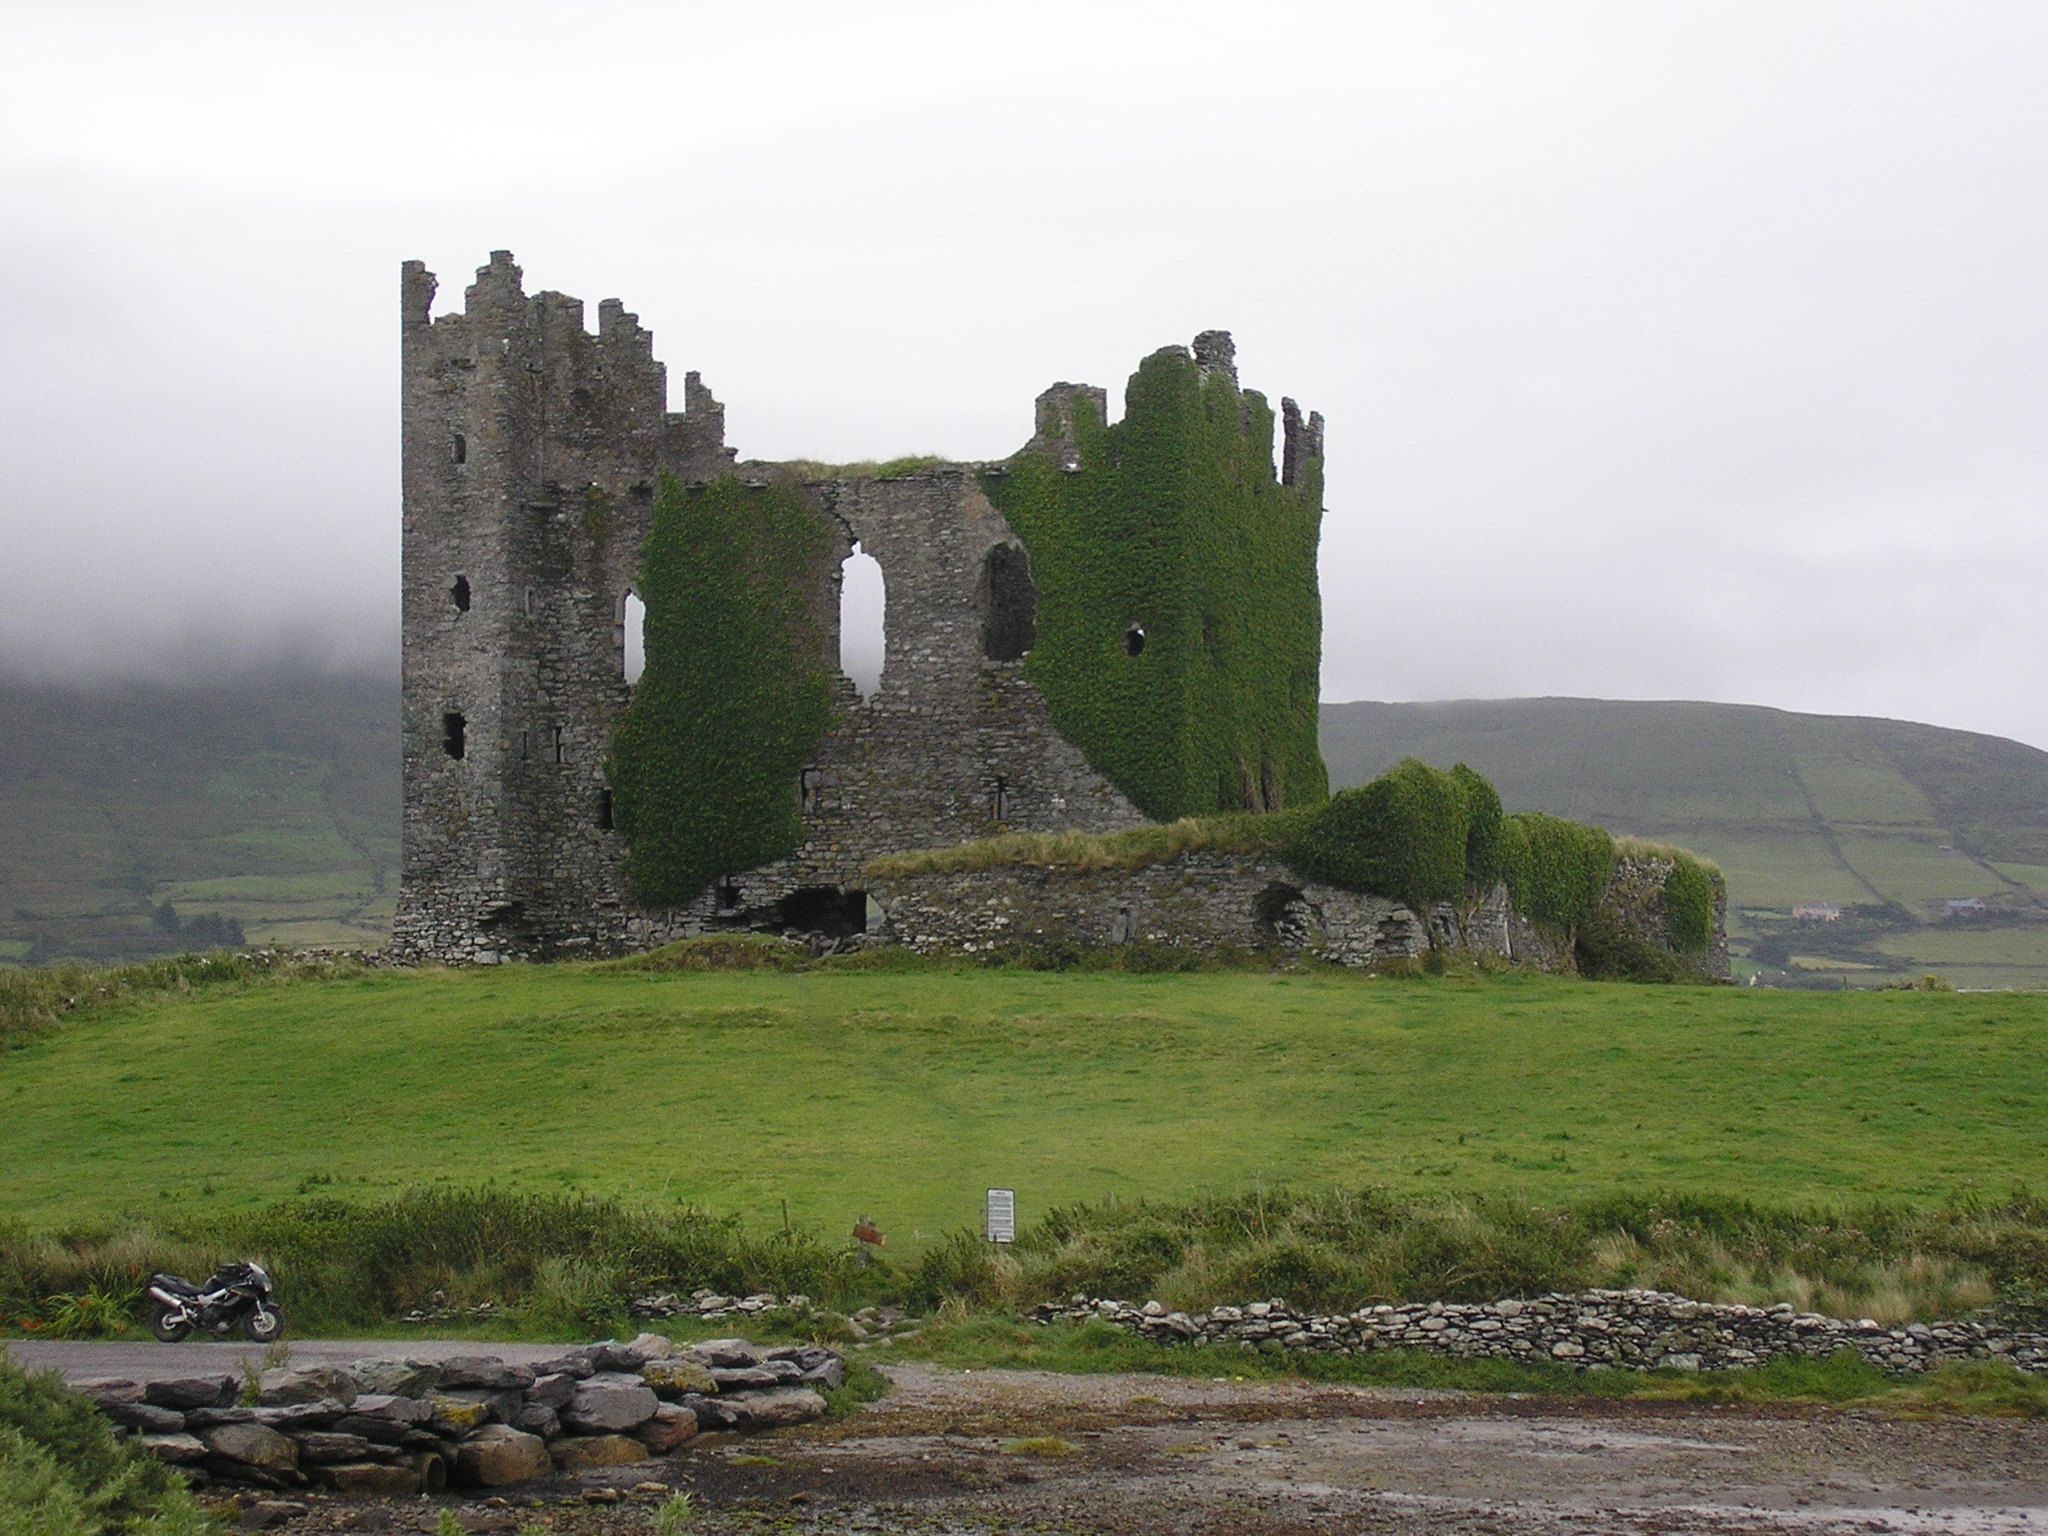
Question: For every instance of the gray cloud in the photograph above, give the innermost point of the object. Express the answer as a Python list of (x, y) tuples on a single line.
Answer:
[(1678, 350)]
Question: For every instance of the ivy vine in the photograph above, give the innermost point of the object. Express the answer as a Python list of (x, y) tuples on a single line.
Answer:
[(735, 695)]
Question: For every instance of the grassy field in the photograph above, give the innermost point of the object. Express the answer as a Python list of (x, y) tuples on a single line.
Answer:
[(902, 1095)]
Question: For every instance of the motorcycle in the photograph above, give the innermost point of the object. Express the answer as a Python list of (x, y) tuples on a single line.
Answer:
[(236, 1295)]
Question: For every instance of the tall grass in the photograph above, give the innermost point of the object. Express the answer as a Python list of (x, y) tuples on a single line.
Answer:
[(34, 999), (1238, 832), (563, 1264), (1335, 1250)]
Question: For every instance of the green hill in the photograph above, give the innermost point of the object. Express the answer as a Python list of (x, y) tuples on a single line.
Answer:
[(273, 803), (267, 804), (1887, 821)]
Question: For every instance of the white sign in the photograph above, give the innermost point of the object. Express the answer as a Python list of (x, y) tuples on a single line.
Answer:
[(999, 1221)]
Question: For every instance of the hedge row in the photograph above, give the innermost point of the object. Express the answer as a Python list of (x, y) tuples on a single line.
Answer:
[(1423, 836)]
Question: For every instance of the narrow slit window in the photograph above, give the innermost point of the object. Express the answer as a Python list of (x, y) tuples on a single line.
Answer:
[(604, 810), (1134, 640), (459, 594), (461, 449), (525, 744), (561, 745), (999, 802), (454, 734), (530, 604)]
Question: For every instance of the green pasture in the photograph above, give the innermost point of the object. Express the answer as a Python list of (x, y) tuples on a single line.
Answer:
[(902, 1094)]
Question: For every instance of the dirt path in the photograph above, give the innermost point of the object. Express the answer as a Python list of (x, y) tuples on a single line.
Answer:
[(1146, 1456)]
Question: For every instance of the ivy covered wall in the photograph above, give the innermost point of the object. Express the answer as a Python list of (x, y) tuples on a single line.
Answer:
[(735, 695), (1179, 623)]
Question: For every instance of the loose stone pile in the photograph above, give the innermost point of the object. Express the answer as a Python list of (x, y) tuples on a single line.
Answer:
[(709, 1304), (385, 1427), (1628, 1330)]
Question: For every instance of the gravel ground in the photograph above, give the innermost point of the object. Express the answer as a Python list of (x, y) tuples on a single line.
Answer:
[(974, 1453)]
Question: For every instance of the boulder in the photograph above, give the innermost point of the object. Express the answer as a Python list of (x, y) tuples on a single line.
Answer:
[(614, 1356), (575, 1365), (609, 1403), (831, 1374), (108, 1390), (253, 1445), (190, 1392), (653, 1346), (710, 1411), (669, 1428), (309, 1385), (454, 1416), (212, 1418), (398, 1378), (581, 1453), (555, 1391), (313, 1415), (745, 1378), (371, 1480), (376, 1431), (395, 1410), (320, 1445), (783, 1405), (481, 1373), (178, 1449), (150, 1420), (538, 1419), (674, 1377), (499, 1454), (731, 1354)]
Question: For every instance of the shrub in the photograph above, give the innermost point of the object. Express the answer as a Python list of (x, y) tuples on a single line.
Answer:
[(1689, 905), (1566, 867), (1403, 835), (1485, 856), (63, 1472)]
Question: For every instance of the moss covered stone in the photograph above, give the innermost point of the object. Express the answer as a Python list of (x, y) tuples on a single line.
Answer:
[(1179, 623), (736, 694)]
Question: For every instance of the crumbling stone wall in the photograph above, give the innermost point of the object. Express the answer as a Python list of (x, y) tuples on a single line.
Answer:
[(1219, 902), (532, 450)]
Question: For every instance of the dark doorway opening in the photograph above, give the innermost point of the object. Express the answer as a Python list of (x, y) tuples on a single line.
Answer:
[(824, 909), (459, 594), (454, 735)]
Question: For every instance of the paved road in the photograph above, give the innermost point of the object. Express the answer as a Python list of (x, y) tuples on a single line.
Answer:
[(82, 1360)]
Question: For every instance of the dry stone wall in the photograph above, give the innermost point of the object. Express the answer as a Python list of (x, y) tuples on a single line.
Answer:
[(1628, 1330), (1212, 902), (401, 1427)]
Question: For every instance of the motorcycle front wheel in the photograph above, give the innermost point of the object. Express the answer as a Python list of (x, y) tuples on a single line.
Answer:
[(263, 1324), (166, 1330)]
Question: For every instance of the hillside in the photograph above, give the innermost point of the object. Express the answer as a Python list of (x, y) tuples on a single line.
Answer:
[(273, 803), (270, 804), (1884, 820)]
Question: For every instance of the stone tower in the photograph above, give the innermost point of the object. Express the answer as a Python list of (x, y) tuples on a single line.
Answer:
[(533, 450)]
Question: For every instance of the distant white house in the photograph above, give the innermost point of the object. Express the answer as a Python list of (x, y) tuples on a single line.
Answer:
[(1967, 906), (1817, 912)]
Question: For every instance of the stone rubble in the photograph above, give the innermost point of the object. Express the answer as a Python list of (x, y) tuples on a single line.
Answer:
[(1635, 1330), (386, 1427)]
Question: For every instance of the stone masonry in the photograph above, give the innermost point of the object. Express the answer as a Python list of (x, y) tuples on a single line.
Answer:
[(532, 452)]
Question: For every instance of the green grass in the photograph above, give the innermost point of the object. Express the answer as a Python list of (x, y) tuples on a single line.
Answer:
[(983, 1341), (903, 1094)]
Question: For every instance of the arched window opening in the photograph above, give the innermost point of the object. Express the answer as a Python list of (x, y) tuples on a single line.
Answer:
[(461, 449), (459, 594), (863, 601), (1009, 604), (633, 636), (454, 735), (1134, 640)]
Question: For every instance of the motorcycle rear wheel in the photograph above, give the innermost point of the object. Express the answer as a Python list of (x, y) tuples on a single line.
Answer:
[(166, 1331), (263, 1325)]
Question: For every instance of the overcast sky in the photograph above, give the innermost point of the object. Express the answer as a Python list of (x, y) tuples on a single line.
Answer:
[(1669, 350)]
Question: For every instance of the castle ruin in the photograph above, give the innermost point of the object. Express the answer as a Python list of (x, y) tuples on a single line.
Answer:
[(535, 453)]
